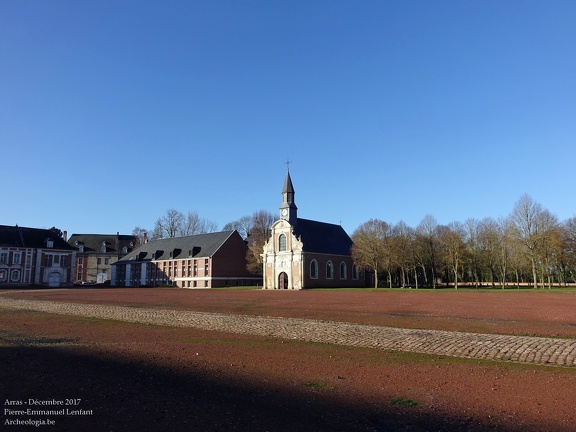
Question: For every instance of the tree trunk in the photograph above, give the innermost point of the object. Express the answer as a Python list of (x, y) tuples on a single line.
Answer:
[(425, 275), (534, 273), (503, 274)]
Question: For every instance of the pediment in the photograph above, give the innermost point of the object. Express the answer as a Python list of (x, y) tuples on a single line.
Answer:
[(280, 224)]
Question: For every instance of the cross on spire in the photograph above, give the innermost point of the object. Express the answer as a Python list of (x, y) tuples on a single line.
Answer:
[(287, 163)]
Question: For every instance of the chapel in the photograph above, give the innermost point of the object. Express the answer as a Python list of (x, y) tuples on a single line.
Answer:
[(302, 253)]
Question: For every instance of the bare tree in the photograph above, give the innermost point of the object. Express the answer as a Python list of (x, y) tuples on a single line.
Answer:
[(527, 229), (567, 257), (140, 234), (194, 224), (169, 225), (550, 246), (488, 237), (427, 236), (369, 246), (505, 248), (175, 224), (259, 233), (453, 247), (403, 244), (472, 227), (242, 225)]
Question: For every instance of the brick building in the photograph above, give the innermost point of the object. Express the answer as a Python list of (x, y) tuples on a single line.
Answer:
[(209, 260), (96, 254), (33, 256)]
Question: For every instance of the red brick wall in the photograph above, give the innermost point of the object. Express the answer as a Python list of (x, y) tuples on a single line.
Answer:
[(335, 282)]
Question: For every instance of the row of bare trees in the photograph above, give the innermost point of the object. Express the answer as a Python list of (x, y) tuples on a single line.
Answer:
[(530, 246), (176, 224)]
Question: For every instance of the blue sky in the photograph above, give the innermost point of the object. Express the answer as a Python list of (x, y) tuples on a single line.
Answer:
[(112, 112)]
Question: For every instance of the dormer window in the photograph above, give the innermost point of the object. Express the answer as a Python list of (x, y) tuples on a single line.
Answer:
[(49, 243), (125, 250), (81, 248)]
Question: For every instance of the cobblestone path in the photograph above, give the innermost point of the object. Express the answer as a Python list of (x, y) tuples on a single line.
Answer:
[(536, 350)]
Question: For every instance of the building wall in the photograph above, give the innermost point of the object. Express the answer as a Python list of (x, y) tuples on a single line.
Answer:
[(17, 265), (182, 273), (90, 265), (229, 265), (338, 280), (30, 266), (226, 268)]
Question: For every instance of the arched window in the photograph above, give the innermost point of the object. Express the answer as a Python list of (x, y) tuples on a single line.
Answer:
[(15, 276), (355, 273), (282, 243), (343, 270), (313, 269), (329, 270)]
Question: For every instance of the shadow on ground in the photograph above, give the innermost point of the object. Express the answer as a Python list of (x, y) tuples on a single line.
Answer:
[(134, 396)]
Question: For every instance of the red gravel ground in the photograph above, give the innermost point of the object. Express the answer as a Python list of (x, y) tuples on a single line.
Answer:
[(156, 378)]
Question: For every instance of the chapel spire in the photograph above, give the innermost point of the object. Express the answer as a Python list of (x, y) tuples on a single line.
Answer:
[(288, 209)]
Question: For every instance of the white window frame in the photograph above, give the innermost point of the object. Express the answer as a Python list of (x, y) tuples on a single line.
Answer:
[(345, 267), (15, 275), (314, 274), (329, 270)]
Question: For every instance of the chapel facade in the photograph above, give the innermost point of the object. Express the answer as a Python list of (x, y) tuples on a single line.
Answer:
[(302, 253)]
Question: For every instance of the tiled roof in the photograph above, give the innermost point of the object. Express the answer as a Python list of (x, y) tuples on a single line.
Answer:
[(321, 237), (197, 246), (15, 236)]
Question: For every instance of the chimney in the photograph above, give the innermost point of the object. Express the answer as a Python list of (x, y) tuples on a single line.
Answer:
[(145, 238), (65, 235)]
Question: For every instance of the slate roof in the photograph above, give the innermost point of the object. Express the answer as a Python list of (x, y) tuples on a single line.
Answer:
[(321, 237), (93, 242), (197, 246), (23, 237), (288, 187)]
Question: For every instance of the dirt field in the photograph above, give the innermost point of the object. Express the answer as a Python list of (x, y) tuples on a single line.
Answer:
[(139, 377)]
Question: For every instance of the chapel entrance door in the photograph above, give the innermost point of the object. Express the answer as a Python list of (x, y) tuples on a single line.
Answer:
[(283, 281)]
